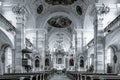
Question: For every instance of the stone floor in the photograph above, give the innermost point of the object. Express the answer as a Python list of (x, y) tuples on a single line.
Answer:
[(59, 77)]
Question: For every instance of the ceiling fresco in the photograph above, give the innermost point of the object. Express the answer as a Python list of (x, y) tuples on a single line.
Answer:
[(59, 22)]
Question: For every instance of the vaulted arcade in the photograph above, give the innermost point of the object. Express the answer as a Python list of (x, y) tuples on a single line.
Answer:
[(69, 39)]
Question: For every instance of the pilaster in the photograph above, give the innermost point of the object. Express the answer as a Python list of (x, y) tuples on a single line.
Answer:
[(0, 63), (99, 41), (13, 60), (19, 37)]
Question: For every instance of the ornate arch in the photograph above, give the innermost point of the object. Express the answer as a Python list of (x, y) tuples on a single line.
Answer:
[(52, 14), (37, 62)]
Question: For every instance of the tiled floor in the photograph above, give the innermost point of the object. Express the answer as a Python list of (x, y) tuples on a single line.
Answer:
[(59, 77)]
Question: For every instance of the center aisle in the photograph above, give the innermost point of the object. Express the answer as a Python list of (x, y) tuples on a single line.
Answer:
[(59, 77)]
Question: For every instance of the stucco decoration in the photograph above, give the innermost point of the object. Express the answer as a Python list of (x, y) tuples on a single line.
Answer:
[(40, 9), (59, 22), (60, 2), (18, 10), (79, 10)]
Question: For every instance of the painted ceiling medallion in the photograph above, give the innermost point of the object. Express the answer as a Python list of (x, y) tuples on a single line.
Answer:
[(79, 10), (40, 9), (60, 2), (59, 22)]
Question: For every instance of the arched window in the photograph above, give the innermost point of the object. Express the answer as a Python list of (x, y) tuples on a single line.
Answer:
[(37, 63), (71, 62), (46, 62), (81, 62), (8, 59)]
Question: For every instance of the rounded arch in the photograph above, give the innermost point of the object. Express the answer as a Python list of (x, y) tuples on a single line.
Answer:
[(9, 37), (6, 58), (110, 52), (4, 46), (90, 15), (2, 51), (111, 58), (89, 20), (37, 57), (114, 48), (66, 14), (37, 63)]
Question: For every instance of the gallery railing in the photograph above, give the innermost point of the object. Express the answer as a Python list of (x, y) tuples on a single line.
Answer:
[(8, 26), (80, 75), (113, 25)]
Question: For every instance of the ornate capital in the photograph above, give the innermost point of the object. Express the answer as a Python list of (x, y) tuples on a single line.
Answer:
[(103, 9), (18, 10)]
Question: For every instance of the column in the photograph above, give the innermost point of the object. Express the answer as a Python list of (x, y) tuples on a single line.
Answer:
[(19, 37), (82, 49), (100, 41), (31, 77), (36, 77), (82, 41), (37, 34), (85, 77), (40, 77), (75, 76), (43, 76), (21, 78), (41, 46), (78, 77), (13, 60), (76, 53), (95, 45), (92, 78), (99, 46), (81, 77), (0, 63)]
